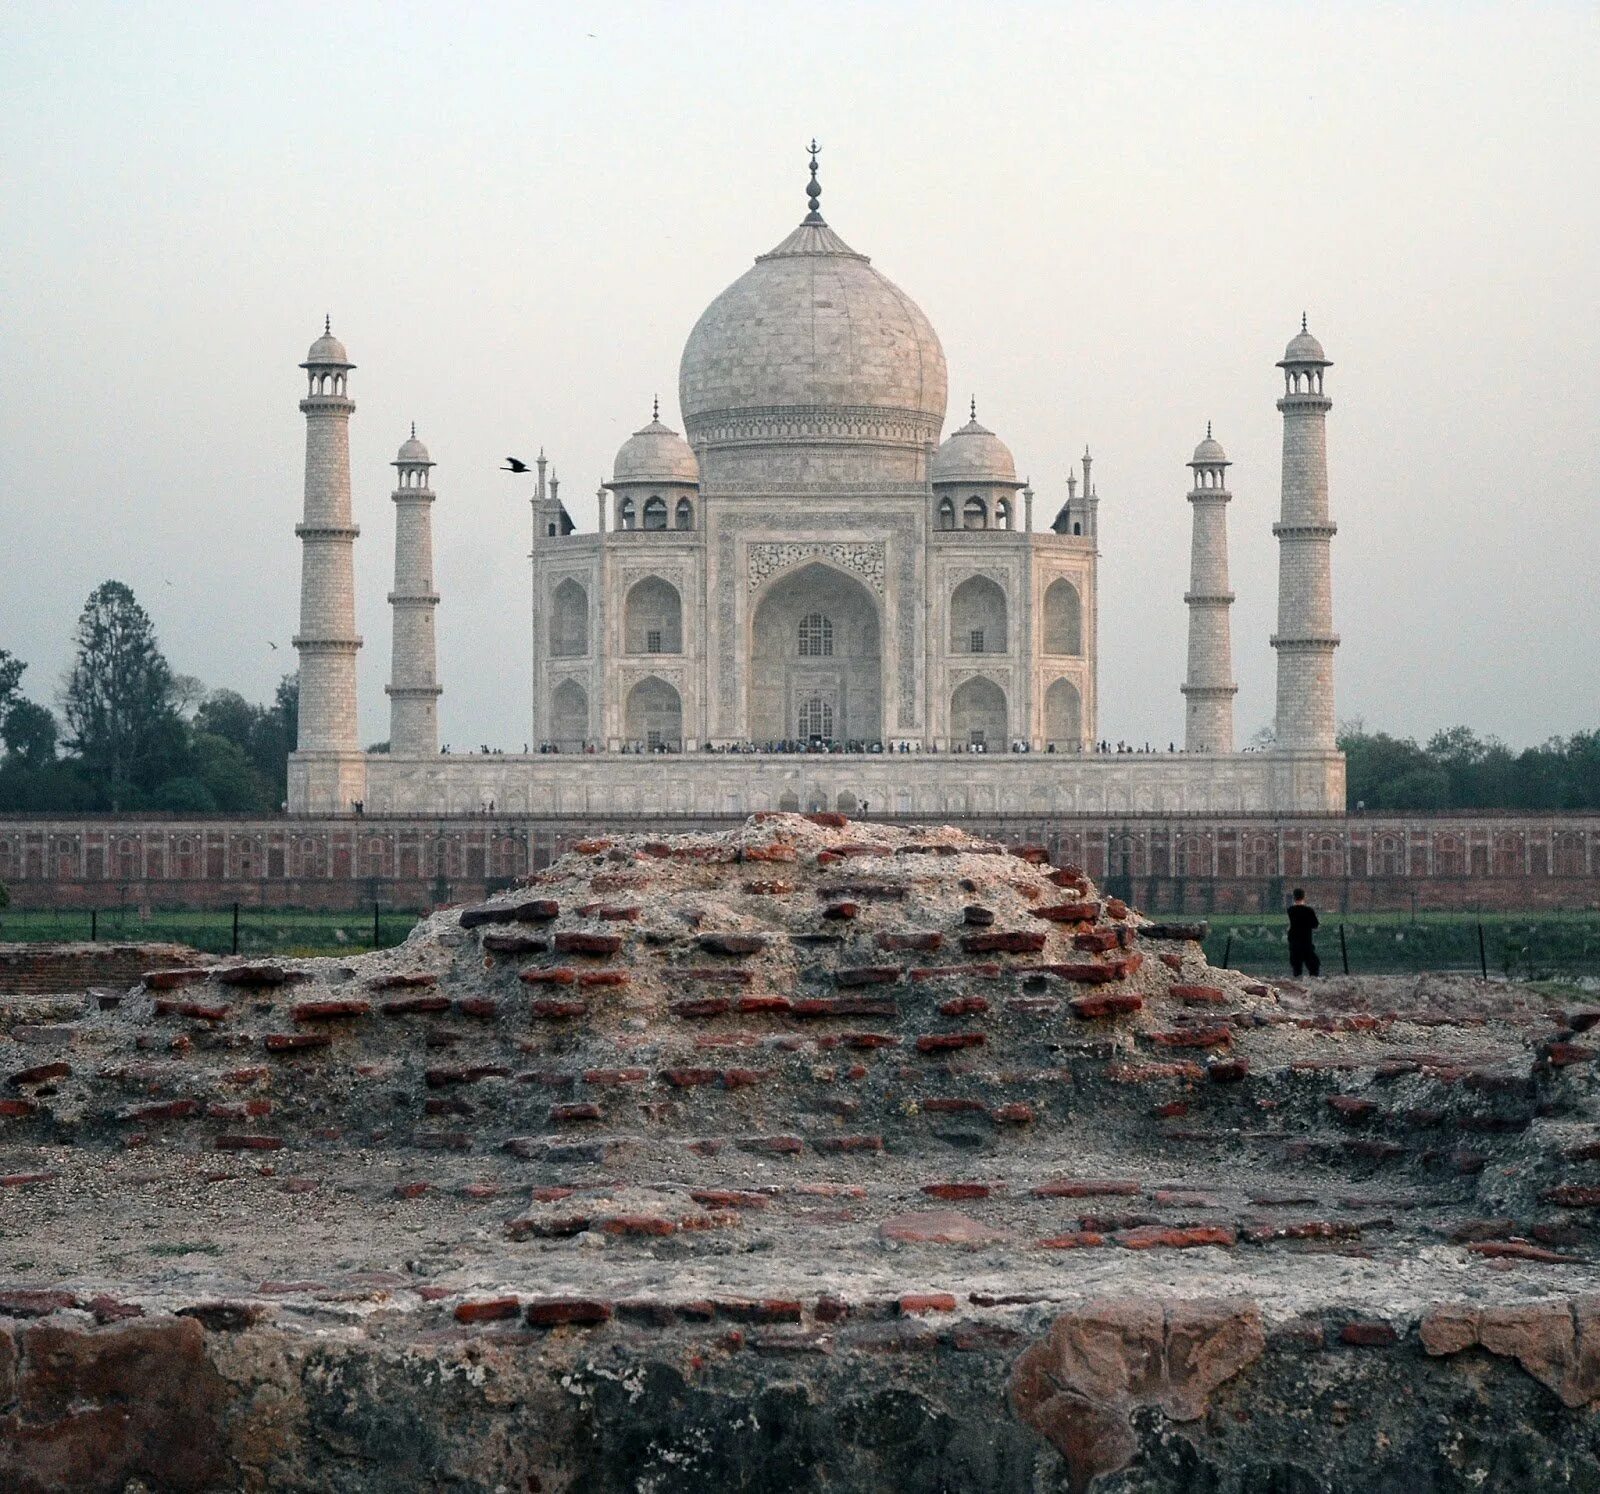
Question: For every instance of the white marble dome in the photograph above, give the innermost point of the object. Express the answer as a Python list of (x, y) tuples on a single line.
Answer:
[(1304, 348), (328, 352), (1209, 453), (809, 331), (413, 453), (974, 454), (657, 453)]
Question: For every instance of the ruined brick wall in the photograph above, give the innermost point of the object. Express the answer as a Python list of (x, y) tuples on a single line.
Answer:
[(1196, 864), (51, 969)]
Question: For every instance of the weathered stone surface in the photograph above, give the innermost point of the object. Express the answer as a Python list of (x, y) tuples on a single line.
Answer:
[(937, 1227)]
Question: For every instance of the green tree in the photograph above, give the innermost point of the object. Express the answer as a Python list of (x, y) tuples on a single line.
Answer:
[(229, 776), (29, 733), (117, 697), (11, 668)]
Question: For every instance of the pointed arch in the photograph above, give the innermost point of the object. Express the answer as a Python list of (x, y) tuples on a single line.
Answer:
[(978, 715), (654, 714), (1063, 716), (978, 617), (652, 618), (1063, 618), (569, 716), (569, 620)]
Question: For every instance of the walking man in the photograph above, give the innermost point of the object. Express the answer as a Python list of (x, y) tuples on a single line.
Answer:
[(1302, 946)]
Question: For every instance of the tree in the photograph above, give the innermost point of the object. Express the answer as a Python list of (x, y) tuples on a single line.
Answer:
[(11, 668), (29, 734), (117, 696)]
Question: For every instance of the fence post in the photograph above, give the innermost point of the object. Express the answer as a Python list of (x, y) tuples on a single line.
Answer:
[(236, 928), (94, 924), (1344, 950), (1227, 949), (374, 925), (1483, 958)]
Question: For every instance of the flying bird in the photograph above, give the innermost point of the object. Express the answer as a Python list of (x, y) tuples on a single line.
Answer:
[(514, 465), (271, 644)]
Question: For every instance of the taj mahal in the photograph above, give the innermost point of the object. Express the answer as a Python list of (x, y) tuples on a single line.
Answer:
[(809, 600)]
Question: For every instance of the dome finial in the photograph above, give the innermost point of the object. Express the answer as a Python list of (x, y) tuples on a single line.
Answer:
[(413, 430), (972, 409), (1208, 430), (327, 324), (655, 407), (1302, 321), (814, 187)]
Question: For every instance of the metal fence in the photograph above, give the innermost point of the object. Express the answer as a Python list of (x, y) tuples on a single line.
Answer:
[(236, 930)]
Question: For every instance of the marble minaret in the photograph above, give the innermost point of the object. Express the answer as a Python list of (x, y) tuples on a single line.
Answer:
[(331, 770), (1305, 639), (1209, 690), (413, 689)]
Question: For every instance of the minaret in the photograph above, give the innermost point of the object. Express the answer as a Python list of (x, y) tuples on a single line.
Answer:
[(1305, 639), (413, 688), (327, 640), (1209, 691)]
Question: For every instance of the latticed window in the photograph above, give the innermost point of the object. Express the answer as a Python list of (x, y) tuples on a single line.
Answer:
[(816, 718), (652, 641), (975, 641), (816, 636)]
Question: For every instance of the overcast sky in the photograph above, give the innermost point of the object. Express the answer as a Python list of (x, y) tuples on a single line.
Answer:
[(1113, 215)]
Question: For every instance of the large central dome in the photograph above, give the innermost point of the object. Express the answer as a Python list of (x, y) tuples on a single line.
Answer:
[(812, 347)]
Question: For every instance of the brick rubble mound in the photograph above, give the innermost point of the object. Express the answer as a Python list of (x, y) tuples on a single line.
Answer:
[(809, 1155)]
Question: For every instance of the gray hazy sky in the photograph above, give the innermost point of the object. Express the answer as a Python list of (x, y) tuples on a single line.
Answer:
[(1113, 215)]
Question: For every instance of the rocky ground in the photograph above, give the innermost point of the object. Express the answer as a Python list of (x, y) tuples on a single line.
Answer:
[(807, 1156)]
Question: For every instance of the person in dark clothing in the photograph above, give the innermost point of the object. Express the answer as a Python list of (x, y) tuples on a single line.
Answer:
[(1302, 947)]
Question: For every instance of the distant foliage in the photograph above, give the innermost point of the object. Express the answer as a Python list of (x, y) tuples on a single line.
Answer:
[(1457, 769), (138, 736)]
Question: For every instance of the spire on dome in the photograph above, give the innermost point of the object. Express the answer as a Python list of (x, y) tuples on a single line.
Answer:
[(655, 407), (413, 430), (1302, 321), (972, 409), (814, 187)]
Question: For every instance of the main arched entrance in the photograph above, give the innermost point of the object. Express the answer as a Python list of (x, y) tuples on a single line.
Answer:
[(816, 660)]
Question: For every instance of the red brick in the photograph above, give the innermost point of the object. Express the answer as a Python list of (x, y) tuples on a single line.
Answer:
[(688, 1078), (828, 819), (1561, 1055), (1220, 1036), (771, 1145), (528, 910), (329, 1011), (846, 1006), (1107, 1004), (1572, 1196), (411, 1190), (291, 1042), (406, 1006), (163, 1110), (1014, 1114), (946, 1042), (263, 974), (252, 1143), (609, 913), (1172, 961), (638, 1224), (776, 852), (552, 1312), (1351, 1109), (170, 980), (842, 912), (579, 942), (196, 1011), (742, 1078), (867, 975), (1180, 1237), (1098, 941), (1227, 1070), (558, 1010), (705, 1006), (604, 978), (611, 1077), (1520, 1250), (1198, 995), (951, 1105), (556, 975), (1005, 941), (1302, 1229), (759, 1310), (1116, 908), (732, 944), (913, 1304), (1085, 1239), (41, 1073), (925, 942), (766, 889), (964, 1006), (488, 1310), (954, 1191), (17, 1109), (1068, 912), (728, 1198), (1369, 1333), (25, 1179), (582, 1110), (848, 1143)]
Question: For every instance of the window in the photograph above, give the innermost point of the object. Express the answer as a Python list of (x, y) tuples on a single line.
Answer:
[(655, 512), (975, 641), (625, 514), (975, 513), (1002, 515), (816, 636), (975, 738), (947, 513), (685, 514), (652, 641), (652, 740), (816, 719)]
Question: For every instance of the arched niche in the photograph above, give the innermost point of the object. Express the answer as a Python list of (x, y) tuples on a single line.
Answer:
[(815, 648), (978, 617), (975, 513), (1063, 618), (978, 715), (655, 512), (654, 714), (652, 618), (1063, 716), (684, 516), (569, 620), (569, 716)]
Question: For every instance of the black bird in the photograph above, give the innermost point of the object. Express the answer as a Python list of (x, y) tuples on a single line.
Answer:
[(513, 465)]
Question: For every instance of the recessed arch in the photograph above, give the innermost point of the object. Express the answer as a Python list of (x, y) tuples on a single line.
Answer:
[(947, 513), (627, 515), (652, 618), (978, 715), (1063, 716), (978, 617), (569, 716), (654, 715), (569, 620), (655, 512), (684, 517), (1063, 618), (815, 646), (975, 513)]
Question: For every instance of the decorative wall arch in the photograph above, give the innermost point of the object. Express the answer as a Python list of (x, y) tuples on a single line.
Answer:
[(1063, 716), (1063, 618), (978, 714), (569, 620), (978, 617), (654, 714), (569, 716), (652, 618)]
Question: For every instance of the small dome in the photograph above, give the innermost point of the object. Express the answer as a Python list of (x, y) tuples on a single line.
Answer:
[(974, 454), (655, 454), (1304, 348), (1209, 453), (328, 352), (413, 453)]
